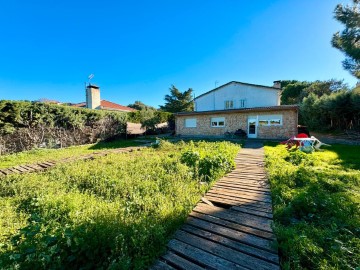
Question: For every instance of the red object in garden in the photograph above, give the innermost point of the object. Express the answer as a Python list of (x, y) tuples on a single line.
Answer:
[(291, 142)]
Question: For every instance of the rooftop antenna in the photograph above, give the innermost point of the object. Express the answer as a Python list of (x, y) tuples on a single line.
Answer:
[(90, 77), (216, 83)]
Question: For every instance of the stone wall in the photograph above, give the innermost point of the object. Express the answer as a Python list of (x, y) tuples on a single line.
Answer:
[(238, 120)]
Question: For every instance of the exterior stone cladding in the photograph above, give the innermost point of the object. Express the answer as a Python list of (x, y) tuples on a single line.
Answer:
[(238, 119)]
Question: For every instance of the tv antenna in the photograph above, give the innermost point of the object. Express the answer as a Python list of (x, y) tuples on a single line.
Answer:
[(216, 83), (90, 77)]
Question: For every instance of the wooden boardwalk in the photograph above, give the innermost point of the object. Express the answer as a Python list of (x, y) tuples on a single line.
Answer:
[(231, 227), (40, 166)]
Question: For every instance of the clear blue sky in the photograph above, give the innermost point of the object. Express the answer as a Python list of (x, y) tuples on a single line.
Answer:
[(137, 49)]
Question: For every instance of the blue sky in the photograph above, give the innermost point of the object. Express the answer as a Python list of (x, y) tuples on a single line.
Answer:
[(138, 49)]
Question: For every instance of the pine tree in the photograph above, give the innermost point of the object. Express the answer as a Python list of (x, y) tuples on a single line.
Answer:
[(178, 101), (348, 40)]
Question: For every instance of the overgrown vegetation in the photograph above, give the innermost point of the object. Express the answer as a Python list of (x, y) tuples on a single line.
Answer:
[(316, 201), (28, 125), (115, 212), (324, 105), (40, 155)]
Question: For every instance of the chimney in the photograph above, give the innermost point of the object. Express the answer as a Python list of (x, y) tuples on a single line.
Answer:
[(277, 84), (92, 97)]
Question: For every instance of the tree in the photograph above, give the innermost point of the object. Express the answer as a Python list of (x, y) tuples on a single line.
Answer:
[(138, 105), (291, 91), (178, 101), (348, 40)]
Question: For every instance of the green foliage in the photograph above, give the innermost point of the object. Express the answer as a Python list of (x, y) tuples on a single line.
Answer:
[(178, 101), (292, 91), (339, 110), (347, 40), (209, 164), (316, 201), (114, 212), (27, 125), (149, 118), (138, 105)]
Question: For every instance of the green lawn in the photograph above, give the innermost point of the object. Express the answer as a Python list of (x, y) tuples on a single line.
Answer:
[(39, 155), (113, 212), (316, 200)]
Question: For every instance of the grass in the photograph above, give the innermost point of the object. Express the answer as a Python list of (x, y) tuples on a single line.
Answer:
[(316, 201), (39, 155), (113, 212)]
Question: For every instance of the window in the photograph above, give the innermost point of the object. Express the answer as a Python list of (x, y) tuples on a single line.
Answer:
[(229, 104), (190, 122), (242, 103), (270, 120), (218, 122), (263, 122)]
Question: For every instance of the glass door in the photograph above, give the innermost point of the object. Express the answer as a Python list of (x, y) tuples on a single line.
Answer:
[(252, 128)]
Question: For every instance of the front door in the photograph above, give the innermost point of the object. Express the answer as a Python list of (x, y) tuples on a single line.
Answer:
[(252, 128)]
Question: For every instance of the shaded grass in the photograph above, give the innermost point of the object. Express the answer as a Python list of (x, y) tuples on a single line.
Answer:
[(39, 155), (114, 212), (316, 201)]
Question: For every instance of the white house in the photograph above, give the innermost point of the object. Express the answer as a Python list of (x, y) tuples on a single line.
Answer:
[(253, 108), (238, 95)]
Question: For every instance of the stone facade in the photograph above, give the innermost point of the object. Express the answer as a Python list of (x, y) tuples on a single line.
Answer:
[(238, 119)]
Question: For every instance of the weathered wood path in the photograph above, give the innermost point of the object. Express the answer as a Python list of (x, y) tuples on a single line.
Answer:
[(40, 166), (231, 227)]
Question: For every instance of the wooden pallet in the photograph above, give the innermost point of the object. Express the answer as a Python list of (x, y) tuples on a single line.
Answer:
[(231, 227)]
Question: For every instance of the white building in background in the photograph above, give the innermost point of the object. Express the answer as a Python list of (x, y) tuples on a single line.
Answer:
[(238, 95)]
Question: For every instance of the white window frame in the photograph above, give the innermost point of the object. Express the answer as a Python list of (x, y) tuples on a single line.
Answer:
[(268, 119), (229, 104), (190, 122), (217, 122), (242, 103)]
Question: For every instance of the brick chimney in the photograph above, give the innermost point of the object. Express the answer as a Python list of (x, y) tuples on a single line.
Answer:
[(277, 84), (92, 97)]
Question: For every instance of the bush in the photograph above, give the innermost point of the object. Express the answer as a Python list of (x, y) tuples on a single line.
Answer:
[(29, 125)]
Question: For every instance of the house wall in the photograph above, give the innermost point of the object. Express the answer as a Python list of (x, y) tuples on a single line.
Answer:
[(238, 120), (255, 96)]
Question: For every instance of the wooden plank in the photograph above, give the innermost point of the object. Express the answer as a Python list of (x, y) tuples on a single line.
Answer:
[(13, 170), (201, 257), (27, 168), (258, 253), (232, 225), (258, 197), (48, 163), (35, 167), (237, 217), (42, 165), (2, 173), (244, 184), (224, 252), (179, 262), (242, 188), (252, 212), (223, 199), (261, 195), (159, 265), (239, 236), (262, 184), (21, 169)]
